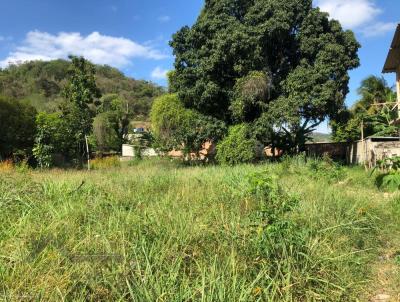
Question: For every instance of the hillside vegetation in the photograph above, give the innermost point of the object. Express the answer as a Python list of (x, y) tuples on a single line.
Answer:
[(41, 83), (318, 137), (159, 231)]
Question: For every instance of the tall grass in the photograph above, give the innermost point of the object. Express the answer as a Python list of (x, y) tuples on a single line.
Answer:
[(105, 162), (158, 231), (6, 166)]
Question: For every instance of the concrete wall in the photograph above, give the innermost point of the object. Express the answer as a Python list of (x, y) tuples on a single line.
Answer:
[(129, 151), (371, 150)]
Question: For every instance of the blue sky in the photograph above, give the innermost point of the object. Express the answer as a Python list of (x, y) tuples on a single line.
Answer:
[(133, 35)]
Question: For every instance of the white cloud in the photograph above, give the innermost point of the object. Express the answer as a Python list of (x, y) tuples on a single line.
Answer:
[(378, 29), (164, 19), (358, 15), (100, 49), (159, 73), (2, 38), (351, 13)]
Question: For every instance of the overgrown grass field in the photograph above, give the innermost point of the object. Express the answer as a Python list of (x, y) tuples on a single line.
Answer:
[(160, 231)]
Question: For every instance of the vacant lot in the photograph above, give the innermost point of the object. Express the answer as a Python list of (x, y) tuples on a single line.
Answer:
[(158, 231)]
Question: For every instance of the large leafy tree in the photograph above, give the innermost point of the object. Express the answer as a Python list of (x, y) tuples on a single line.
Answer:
[(292, 57), (81, 92), (111, 124), (53, 136)]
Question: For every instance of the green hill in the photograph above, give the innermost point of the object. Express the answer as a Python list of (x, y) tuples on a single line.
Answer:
[(318, 137), (40, 84)]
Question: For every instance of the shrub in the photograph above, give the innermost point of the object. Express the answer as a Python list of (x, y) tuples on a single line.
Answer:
[(17, 129), (105, 132), (388, 181), (22, 166), (176, 127), (276, 230), (53, 137), (327, 169), (238, 147), (105, 162)]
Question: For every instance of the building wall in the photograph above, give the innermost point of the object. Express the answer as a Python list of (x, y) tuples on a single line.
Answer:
[(369, 152), (356, 153), (129, 151)]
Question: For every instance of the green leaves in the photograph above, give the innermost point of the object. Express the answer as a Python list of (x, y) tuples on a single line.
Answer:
[(54, 136), (17, 128), (176, 127), (295, 59), (251, 94), (376, 119), (237, 147), (80, 91), (389, 181), (81, 88), (276, 230)]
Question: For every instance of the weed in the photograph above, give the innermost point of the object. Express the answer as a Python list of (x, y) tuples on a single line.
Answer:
[(22, 167), (327, 169), (105, 163), (388, 181), (161, 231)]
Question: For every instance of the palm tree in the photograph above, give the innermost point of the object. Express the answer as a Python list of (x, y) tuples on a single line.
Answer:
[(374, 91)]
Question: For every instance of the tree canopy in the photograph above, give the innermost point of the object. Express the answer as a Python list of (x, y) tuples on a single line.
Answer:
[(368, 112), (176, 127), (17, 128), (284, 61), (41, 84)]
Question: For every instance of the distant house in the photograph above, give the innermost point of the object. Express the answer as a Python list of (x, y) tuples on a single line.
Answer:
[(372, 149), (128, 151), (363, 152), (139, 137)]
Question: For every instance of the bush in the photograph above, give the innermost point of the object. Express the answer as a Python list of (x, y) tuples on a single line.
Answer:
[(22, 167), (238, 147), (105, 132), (105, 163), (326, 168), (52, 137), (176, 127), (276, 231), (388, 181), (17, 131)]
